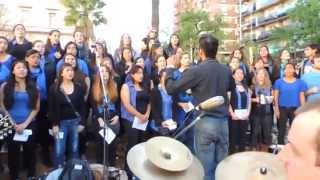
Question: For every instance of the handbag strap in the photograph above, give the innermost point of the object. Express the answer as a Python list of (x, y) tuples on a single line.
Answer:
[(69, 101)]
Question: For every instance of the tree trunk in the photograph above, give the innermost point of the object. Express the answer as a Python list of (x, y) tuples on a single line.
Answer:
[(87, 29), (155, 14)]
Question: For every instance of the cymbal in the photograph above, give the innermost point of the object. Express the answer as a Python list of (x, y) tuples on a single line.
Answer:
[(146, 170), (251, 166), (168, 153)]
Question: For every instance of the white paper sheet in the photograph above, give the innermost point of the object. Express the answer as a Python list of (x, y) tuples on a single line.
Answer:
[(24, 136), (60, 134), (171, 124), (110, 135), (190, 107), (241, 113), (137, 125)]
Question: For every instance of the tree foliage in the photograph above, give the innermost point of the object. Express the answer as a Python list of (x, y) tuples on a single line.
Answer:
[(84, 14), (304, 25), (193, 23)]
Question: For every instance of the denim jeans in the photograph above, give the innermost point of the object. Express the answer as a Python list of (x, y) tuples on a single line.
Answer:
[(211, 141), (69, 128)]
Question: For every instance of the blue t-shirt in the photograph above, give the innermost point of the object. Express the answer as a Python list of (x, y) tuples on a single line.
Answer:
[(289, 93), (312, 79), (4, 73), (20, 109)]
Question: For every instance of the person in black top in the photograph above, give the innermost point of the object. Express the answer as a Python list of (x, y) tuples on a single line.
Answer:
[(206, 80), (66, 111), (160, 64), (239, 109), (162, 109), (112, 106), (19, 45), (174, 44), (135, 105), (238, 53), (124, 66), (53, 50)]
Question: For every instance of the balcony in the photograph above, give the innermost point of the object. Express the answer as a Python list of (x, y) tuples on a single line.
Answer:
[(264, 36), (261, 22), (259, 6)]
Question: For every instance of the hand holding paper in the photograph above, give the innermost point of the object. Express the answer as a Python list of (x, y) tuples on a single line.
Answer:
[(24, 136), (242, 114), (138, 125)]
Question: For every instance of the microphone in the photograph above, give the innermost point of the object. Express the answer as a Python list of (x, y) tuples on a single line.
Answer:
[(206, 105), (210, 103)]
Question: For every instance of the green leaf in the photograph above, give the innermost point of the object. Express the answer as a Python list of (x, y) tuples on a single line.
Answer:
[(91, 14)]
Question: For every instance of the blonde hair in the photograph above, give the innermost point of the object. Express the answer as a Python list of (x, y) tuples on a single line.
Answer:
[(267, 82)]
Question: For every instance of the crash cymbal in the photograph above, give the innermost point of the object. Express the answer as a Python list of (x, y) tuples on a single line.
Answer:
[(146, 170), (251, 166), (168, 154)]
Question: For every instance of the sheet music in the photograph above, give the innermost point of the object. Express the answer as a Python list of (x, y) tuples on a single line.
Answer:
[(110, 135), (190, 107), (24, 136), (241, 113), (171, 124), (137, 125)]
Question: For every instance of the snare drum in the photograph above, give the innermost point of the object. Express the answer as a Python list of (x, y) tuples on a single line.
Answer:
[(114, 173)]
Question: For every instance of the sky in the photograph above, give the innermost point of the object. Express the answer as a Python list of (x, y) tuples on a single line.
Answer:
[(134, 17)]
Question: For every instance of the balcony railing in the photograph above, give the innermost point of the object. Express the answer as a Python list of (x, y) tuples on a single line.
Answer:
[(265, 21), (258, 6)]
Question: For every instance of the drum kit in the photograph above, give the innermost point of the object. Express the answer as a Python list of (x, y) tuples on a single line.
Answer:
[(164, 158)]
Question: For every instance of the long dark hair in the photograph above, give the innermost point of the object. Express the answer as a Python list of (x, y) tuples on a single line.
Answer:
[(134, 70), (93, 58), (122, 58), (9, 88), (67, 45), (269, 57), (243, 82), (243, 57), (48, 45), (174, 34), (76, 68), (59, 77), (6, 39)]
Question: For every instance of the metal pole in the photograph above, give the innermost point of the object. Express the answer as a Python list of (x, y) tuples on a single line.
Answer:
[(240, 22)]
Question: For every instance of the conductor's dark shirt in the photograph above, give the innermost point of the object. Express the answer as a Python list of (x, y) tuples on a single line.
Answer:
[(206, 80)]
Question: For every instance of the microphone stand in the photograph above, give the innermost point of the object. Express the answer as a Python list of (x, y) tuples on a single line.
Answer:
[(184, 130), (106, 125)]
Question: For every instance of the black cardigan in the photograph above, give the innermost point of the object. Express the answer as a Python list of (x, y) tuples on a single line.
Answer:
[(59, 107), (156, 106)]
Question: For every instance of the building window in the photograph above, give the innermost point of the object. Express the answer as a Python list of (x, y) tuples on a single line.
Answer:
[(224, 10), (25, 14), (203, 3), (52, 18)]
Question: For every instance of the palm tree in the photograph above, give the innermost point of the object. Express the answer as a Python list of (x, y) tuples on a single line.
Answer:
[(155, 14), (84, 14)]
